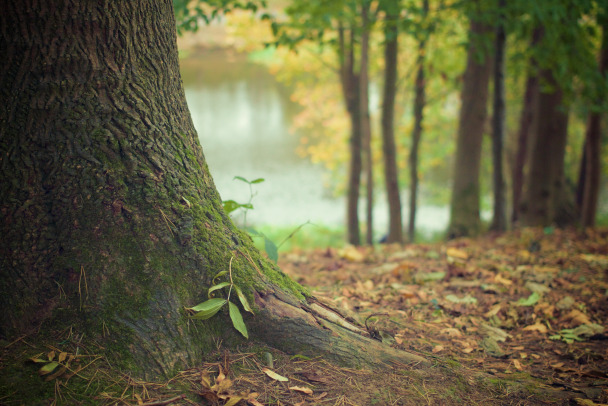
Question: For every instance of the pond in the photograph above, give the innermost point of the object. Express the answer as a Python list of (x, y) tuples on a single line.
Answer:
[(243, 116)]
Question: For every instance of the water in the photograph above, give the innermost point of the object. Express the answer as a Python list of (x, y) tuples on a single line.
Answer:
[(243, 115)]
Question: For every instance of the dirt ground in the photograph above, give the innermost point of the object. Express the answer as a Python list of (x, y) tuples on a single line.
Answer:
[(517, 319)]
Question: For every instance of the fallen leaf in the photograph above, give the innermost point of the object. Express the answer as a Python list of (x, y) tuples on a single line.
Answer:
[(493, 310), (438, 348), (274, 375), (538, 326), (517, 365), (577, 317), (305, 390), (503, 281), (456, 253)]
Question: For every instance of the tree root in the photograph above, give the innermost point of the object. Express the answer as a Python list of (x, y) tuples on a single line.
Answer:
[(314, 329)]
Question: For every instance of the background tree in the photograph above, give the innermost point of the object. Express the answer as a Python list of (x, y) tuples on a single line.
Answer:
[(391, 176), (499, 221), (464, 206), (419, 103), (111, 223)]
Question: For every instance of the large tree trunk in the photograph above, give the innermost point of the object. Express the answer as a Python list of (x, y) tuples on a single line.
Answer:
[(350, 90), (544, 196), (391, 176), (499, 221), (111, 224), (366, 128), (419, 103), (464, 207), (591, 162)]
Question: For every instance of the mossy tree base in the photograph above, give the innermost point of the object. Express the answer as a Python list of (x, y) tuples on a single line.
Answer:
[(111, 224)]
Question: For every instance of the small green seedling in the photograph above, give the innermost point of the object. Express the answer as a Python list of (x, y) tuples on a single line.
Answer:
[(209, 308)]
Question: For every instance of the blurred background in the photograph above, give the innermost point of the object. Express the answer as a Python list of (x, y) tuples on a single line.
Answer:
[(276, 110)]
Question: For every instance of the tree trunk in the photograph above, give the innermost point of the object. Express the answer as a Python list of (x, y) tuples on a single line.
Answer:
[(499, 221), (419, 103), (591, 166), (526, 120), (464, 207), (111, 223), (544, 192), (351, 94), (366, 130), (391, 177)]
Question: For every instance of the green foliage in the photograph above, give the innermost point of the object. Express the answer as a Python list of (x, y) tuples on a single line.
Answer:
[(211, 307), (189, 15)]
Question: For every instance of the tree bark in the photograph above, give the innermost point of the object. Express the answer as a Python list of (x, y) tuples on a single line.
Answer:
[(526, 119), (111, 223), (419, 103), (351, 94), (544, 195), (391, 176), (366, 130), (464, 207), (499, 221), (591, 164), (391, 38)]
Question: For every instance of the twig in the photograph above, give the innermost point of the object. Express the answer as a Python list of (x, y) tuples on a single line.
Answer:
[(251, 262), (165, 402)]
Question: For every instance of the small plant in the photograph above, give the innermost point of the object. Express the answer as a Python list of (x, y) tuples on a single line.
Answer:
[(272, 249), (209, 308)]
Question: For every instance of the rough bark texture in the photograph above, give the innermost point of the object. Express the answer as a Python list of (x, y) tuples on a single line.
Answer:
[(464, 207), (591, 164), (419, 103), (391, 177), (350, 91), (499, 221), (366, 129), (526, 120), (110, 220), (544, 195)]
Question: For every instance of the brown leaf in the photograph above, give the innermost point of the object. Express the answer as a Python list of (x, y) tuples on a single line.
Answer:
[(302, 389), (538, 326)]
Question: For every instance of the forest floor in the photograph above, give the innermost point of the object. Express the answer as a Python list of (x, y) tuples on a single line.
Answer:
[(515, 319)]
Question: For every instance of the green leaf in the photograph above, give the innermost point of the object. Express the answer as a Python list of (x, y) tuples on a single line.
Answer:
[(230, 206), (237, 319), (219, 274), (48, 368), (529, 301), (216, 287), (243, 299), (258, 180), (208, 309), (271, 249), (242, 179)]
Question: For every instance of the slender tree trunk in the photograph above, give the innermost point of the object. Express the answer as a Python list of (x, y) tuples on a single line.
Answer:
[(499, 222), (419, 103), (544, 193), (351, 93), (366, 130), (111, 223), (591, 171), (525, 124), (391, 177), (464, 207)]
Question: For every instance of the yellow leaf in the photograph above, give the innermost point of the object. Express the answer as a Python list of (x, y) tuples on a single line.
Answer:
[(274, 375), (305, 390), (503, 281), (233, 401), (493, 311), (351, 253), (456, 253), (51, 355), (517, 365), (538, 326), (438, 348)]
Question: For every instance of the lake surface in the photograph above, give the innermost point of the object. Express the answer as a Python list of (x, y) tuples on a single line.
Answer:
[(242, 116)]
